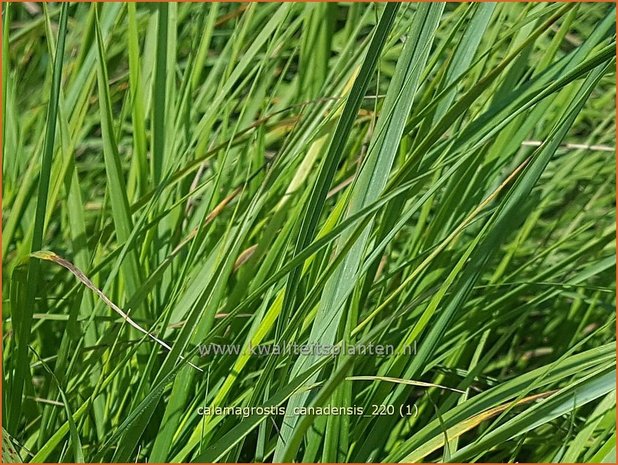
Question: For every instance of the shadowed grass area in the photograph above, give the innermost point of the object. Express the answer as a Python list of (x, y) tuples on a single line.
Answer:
[(321, 232)]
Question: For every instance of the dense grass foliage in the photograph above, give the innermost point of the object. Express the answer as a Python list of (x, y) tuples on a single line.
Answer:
[(433, 179)]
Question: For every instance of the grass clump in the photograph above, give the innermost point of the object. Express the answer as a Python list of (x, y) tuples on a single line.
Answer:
[(198, 197)]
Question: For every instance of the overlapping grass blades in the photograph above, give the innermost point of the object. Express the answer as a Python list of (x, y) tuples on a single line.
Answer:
[(436, 178)]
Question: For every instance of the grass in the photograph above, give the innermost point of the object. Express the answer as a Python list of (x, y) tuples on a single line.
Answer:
[(434, 179)]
